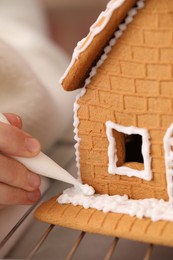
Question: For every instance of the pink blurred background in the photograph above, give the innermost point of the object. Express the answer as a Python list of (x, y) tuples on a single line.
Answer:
[(70, 20)]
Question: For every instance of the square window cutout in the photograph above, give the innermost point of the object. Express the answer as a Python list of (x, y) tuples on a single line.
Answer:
[(128, 151)]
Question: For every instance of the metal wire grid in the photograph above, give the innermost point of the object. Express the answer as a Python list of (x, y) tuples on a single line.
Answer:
[(71, 253), (75, 246)]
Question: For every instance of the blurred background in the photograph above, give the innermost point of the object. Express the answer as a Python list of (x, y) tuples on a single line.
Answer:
[(23, 31), (70, 20)]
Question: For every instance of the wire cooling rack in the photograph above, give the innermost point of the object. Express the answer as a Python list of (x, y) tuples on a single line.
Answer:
[(79, 242), (44, 241)]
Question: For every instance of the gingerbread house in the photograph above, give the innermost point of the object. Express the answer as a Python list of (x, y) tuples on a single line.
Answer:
[(123, 121), (125, 112)]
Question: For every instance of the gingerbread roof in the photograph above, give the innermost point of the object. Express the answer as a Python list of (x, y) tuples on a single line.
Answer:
[(89, 50)]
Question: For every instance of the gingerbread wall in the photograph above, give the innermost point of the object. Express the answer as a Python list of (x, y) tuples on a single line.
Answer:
[(134, 87)]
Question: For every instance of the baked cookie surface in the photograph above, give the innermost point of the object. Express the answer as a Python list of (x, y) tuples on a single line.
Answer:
[(112, 224)]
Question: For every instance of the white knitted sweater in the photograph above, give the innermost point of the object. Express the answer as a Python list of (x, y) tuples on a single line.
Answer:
[(30, 67)]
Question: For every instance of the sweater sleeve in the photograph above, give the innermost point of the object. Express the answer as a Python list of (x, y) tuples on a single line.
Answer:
[(30, 68)]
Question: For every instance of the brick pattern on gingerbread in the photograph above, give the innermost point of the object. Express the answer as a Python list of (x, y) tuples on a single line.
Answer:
[(132, 87)]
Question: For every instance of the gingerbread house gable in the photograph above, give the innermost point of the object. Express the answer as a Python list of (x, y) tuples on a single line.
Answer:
[(89, 49), (124, 113)]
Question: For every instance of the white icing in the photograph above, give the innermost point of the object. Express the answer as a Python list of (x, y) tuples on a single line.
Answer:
[(87, 190), (168, 145), (145, 174), (149, 208), (94, 30)]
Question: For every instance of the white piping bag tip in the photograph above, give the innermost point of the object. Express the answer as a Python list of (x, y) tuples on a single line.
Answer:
[(43, 165)]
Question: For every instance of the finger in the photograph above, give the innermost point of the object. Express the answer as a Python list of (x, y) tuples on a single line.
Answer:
[(15, 174), (2, 206), (14, 119), (15, 142), (14, 196)]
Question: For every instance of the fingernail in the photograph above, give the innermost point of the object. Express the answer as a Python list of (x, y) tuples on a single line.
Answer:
[(32, 144), (19, 120), (34, 195), (33, 180)]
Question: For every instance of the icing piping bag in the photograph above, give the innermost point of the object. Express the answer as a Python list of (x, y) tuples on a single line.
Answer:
[(45, 166)]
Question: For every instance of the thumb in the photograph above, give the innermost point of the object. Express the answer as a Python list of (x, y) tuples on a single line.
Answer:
[(15, 142)]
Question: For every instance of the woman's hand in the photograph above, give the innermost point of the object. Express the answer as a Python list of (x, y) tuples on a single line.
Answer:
[(17, 184)]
